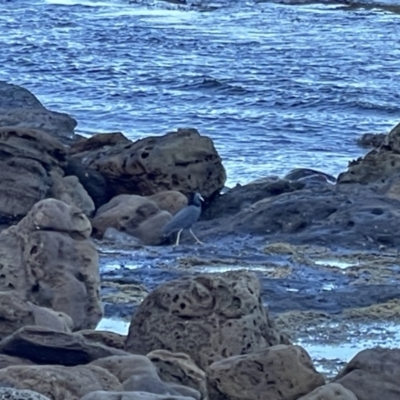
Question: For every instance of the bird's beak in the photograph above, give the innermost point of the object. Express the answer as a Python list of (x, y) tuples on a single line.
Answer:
[(201, 198)]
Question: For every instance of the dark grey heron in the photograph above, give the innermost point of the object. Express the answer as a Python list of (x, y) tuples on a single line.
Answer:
[(185, 218)]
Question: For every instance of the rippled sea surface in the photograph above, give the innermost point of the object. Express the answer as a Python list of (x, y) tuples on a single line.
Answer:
[(276, 86)]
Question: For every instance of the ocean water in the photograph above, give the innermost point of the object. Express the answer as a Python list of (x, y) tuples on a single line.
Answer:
[(275, 85)]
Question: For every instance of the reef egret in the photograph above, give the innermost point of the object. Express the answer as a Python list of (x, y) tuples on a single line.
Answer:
[(185, 218)]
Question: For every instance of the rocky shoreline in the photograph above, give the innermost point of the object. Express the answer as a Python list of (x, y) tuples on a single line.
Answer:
[(302, 259)]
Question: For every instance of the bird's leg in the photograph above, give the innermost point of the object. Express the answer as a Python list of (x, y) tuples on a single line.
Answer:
[(178, 237), (197, 240)]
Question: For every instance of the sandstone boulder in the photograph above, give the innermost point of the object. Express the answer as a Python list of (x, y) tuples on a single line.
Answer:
[(15, 394), (378, 165), (8, 361), (169, 200), (135, 215), (277, 373), (94, 183), (69, 190), (331, 391), (110, 339), (181, 369), (27, 157), (192, 315), (16, 312), (373, 374), (102, 395), (137, 373), (183, 161), (59, 382), (49, 259), (19, 108), (47, 346)]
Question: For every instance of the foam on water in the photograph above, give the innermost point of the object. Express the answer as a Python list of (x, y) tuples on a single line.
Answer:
[(335, 263), (113, 325)]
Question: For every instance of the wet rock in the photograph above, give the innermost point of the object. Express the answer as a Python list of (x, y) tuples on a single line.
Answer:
[(16, 312), (121, 239), (190, 315), (27, 157), (93, 182), (59, 382), (101, 395), (346, 215), (69, 190), (183, 161), (49, 259), (372, 140), (47, 346), (242, 197), (19, 108), (15, 394), (331, 391), (280, 372), (110, 339), (179, 368), (137, 373), (135, 215), (373, 374)]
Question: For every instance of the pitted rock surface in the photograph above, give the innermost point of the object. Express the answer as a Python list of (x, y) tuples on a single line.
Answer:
[(46, 346), (241, 197), (27, 157), (59, 382), (277, 373), (356, 216), (331, 391), (183, 161), (181, 369), (373, 374), (16, 312), (192, 315), (15, 394), (135, 215), (49, 259), (69, 190), (19, 108)]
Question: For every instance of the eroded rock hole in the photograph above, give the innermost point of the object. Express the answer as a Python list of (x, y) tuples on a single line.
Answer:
[(377, 211)]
